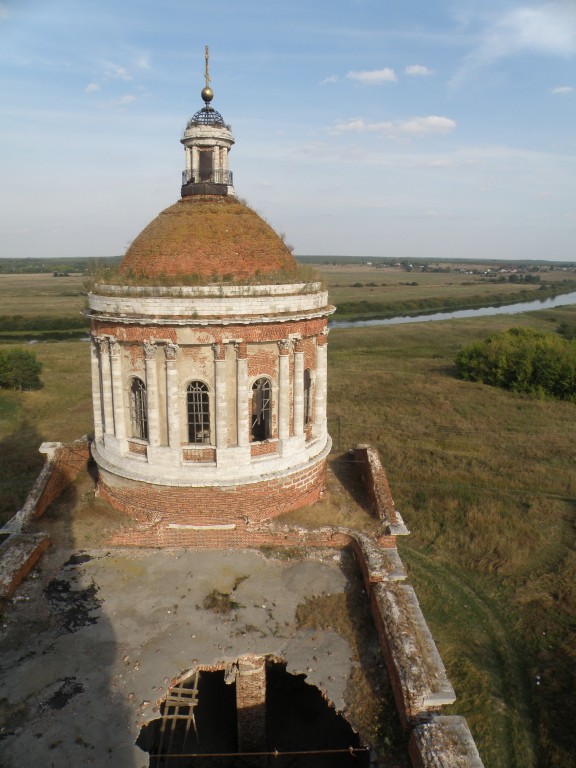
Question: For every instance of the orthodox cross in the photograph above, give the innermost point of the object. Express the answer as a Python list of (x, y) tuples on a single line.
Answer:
[(207, 72)]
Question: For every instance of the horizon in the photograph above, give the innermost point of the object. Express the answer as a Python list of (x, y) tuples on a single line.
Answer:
[(432, 128)]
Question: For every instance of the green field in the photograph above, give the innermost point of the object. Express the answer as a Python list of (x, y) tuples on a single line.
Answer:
[(387, 291), (485, 480)]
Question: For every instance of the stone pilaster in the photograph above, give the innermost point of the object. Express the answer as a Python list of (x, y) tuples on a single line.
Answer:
[(195, 163), (152, 393), (242, 395), (284, 389), (298, 388), (106, 374), (96, 389), (221, 399), (172, 400), (117, 390)]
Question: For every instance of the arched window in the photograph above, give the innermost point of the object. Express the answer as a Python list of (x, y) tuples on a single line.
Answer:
[(261, 409), (307, 397), (138, 409), (198, 409)]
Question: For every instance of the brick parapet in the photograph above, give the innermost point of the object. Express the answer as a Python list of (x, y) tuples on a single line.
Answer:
[(376, 484), (64, 462), (443, 742)]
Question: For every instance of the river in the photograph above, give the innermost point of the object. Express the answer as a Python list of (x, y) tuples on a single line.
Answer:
[(507, 309)]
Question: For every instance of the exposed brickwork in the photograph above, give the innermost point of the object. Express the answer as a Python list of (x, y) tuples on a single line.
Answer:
[(138, 448), (378, 489), (241, 536), (253, 333), (70, 460), (199, 454), (251, 703), (263, 449), (211, 505)]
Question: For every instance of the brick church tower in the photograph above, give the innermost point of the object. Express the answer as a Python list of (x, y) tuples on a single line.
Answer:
[(209, 360)]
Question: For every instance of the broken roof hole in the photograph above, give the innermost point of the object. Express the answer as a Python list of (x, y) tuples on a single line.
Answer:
[(248, 714)]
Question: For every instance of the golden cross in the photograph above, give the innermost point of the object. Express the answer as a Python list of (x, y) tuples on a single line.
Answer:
[(207, 73)]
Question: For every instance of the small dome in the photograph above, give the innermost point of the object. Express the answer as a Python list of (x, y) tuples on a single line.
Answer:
[(207, 116), (208, 237)]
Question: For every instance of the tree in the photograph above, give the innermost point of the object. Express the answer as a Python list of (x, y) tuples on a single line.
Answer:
[(522, 360), (19, 369)]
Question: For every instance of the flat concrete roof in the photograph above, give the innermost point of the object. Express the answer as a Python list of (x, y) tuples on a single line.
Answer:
[(93, 639)]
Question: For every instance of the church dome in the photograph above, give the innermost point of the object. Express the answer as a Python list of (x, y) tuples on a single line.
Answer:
[(209, 237)]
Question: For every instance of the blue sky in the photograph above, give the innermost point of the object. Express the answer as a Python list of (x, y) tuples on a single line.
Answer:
[(409, 128)]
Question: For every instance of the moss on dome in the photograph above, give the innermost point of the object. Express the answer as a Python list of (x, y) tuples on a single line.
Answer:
[(203, 239)]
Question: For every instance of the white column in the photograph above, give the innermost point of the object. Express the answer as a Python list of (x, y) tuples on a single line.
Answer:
[(216, 164), (298, 389), (188, 162), (321, 384), (106, 374), (195, 163), (96, 389), (152, 393), (117, 390), (284, 390), (242, 416), (221, 399), (172, 400)]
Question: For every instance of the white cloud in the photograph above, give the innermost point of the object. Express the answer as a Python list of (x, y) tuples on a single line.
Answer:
[(418, 70), (548, 29), (143, 61), (417, 126), (114, 72), (91, 87), (373, 76), (121, 102), (562, 89), (331, 79), (4, 11)]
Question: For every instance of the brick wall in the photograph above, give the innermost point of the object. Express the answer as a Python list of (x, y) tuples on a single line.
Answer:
[(212, 505), (378, 489), (69, 461)]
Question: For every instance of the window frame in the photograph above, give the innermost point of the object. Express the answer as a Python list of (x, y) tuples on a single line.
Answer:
[(261, 410), (138, 409), (202, 409)]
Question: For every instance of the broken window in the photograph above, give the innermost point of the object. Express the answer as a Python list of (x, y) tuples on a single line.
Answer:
[(261, 409), (198, 408), (307, 397), (138, 409)]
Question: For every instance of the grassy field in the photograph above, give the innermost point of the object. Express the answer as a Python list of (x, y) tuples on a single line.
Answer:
[(487, 483), (382, 292), (42, 294), (485, 480)]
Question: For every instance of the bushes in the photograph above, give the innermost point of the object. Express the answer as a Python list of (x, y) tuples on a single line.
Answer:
[(19, 369), (522, 360)]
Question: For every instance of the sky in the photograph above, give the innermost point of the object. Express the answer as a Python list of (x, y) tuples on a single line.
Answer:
[(402, 129)]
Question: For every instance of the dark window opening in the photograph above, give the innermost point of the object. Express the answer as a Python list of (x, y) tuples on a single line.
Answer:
[(261, 409), (307, 397), (205, 165), (138, 409), (198, 408)]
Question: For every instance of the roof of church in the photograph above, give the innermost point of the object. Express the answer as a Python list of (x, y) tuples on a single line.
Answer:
[(208, 237)]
